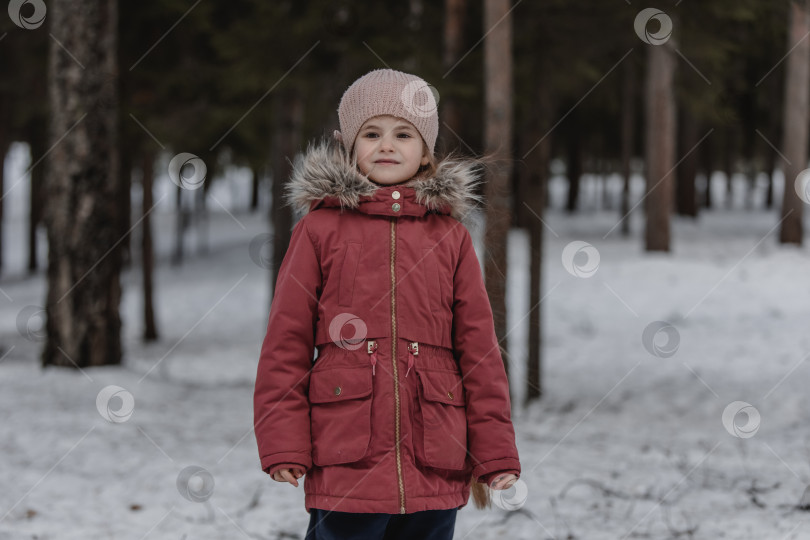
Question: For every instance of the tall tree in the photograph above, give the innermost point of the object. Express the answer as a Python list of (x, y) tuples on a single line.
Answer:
[(628, 120), (150, 332), (660, 137), (685, 185), (794, 142), (84, 290), (539, 165), (289, 117), (454, 11), (498, 141)]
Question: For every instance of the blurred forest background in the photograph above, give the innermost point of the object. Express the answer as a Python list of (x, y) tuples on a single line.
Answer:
[(103, 93)]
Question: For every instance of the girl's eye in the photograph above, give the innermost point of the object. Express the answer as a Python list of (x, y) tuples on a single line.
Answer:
[(371, 135), (404, 135)]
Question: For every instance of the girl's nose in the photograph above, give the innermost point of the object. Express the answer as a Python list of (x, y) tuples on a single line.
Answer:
[(386, 143)]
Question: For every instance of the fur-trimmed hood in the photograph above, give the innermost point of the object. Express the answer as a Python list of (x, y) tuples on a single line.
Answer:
[(325, 176)]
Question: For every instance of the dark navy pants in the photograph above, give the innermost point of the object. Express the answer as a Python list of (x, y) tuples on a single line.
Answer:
[(425, 525)]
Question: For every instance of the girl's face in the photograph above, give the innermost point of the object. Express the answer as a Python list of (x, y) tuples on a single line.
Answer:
[(389, 150)]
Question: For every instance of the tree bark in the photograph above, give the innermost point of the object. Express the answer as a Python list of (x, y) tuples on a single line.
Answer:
[(125, 203), (180, 225), (770, 161), (150, 332), (628, 116), (453, 41), (498, 142), (728, 166), (795, 111), (539, 165), (660, 138), (37, 138), (254, 189), (707, 165), (574, 171), (290, 118), (686, 197), (4, 144), (84, 261)]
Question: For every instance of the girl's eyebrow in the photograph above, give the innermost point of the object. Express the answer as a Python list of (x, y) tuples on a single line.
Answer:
[(400, 126)]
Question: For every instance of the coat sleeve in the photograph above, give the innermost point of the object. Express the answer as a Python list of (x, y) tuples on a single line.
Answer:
[(490, 433), (280, 399)]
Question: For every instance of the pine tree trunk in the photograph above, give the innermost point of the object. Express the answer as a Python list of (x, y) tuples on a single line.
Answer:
[(769, 168), (4, 144), (254, 189), (707, 165), (660, 144), (794, 140), (37, 138), (574, 170), (498, 141), (125, 202), (686, 199), (628, 115), (201, 219), (180, 225), (539, 166), (453, 42), (290, 117), (84, 261), (150, 332)]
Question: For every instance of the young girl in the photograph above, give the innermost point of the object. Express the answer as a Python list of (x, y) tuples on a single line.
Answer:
[(406, 405)]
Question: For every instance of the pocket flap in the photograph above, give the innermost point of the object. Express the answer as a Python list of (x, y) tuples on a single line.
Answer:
[(442, 386), (339, 384)]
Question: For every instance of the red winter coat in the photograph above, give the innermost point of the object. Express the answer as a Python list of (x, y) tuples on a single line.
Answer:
[(408, 399)]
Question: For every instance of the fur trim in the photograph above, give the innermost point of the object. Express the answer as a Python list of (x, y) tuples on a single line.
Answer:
[(325, 170)]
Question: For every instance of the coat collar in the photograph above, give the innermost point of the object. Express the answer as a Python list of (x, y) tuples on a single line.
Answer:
[(324, 176)]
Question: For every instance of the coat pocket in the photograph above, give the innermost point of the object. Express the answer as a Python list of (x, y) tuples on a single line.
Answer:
[(440, 420), (340, 414)]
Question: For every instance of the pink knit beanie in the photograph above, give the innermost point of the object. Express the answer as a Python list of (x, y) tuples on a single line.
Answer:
[(387, 91)]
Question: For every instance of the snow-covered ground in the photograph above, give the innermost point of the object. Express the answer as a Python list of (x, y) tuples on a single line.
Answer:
[(624, 444)]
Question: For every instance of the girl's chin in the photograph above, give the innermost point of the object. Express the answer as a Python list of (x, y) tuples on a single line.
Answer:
[(384, 184)]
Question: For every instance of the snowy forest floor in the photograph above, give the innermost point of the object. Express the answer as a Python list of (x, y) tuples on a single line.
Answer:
[(624, 444)]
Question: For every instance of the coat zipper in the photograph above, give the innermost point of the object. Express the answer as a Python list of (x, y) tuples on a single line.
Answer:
[(394, 361)]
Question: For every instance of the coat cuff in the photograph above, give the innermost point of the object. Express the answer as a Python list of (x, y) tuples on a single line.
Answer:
[(272, 470), (489, 477), (299, 459), (496, 465)]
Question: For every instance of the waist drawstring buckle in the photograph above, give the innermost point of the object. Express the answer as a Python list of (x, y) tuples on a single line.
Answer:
[(372, 350), (413, 350)]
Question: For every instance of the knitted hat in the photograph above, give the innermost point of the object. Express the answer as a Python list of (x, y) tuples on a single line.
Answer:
[(387, 91)]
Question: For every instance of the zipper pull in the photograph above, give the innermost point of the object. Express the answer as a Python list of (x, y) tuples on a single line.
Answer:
[(372, 350), (413, 350)]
